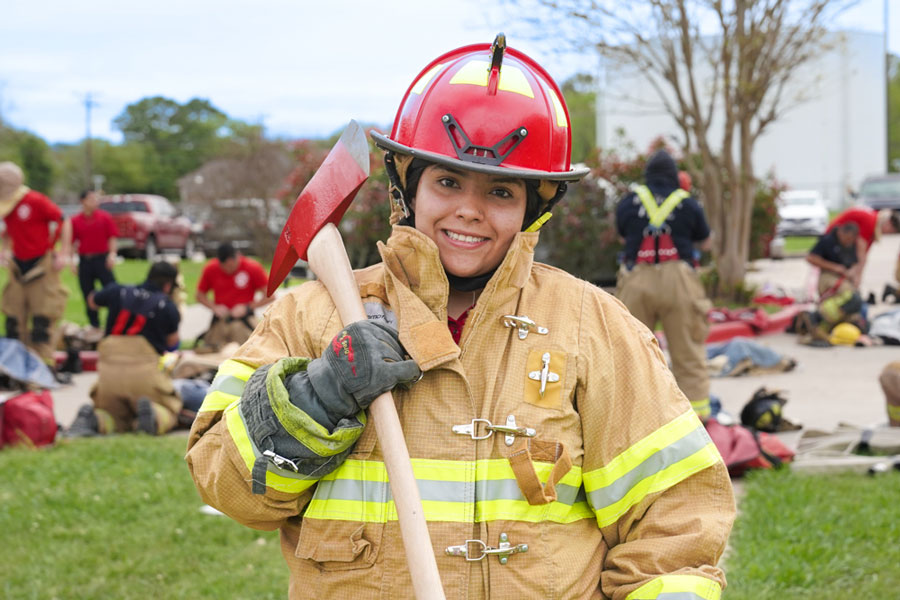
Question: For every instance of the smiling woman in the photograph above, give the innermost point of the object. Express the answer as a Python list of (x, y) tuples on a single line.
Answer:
[(553, 453)]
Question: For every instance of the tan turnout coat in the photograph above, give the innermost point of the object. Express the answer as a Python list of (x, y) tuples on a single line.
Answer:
[(646, 495)]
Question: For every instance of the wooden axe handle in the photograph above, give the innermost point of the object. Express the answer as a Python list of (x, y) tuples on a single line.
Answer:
[(327, 258)]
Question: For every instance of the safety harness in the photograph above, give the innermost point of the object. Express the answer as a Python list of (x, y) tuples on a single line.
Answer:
[(657, 245)]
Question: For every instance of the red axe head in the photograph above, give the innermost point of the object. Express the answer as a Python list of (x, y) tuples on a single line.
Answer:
[(324, 200)]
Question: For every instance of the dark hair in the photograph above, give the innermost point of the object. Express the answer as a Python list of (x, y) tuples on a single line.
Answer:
[(849, 228), (895, 220), (84, 194), (225, 251), (161, 273), (533, 200)]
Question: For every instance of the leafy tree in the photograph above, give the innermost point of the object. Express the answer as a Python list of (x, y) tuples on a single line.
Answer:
[(894, 113), (753, 53), (580, 97), (178, 137), (31, 153)]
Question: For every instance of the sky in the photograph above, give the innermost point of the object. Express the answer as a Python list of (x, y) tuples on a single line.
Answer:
[(301, 68)]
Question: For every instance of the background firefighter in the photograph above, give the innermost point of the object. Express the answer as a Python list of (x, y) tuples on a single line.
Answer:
[(132, 392), (34, 298), (238, 287), (529, 399), (662, 226)]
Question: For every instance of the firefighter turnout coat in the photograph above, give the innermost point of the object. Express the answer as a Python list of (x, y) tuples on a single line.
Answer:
[(554, 453)]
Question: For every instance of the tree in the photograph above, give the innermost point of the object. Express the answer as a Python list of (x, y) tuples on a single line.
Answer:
[(894, 113), (752, 49), (178, 137), (580, 97), (31, 153)]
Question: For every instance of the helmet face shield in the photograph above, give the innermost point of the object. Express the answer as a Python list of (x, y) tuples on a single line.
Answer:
[(486, 108)]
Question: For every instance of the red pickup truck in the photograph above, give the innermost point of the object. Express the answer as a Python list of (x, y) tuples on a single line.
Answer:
[(148, 225)]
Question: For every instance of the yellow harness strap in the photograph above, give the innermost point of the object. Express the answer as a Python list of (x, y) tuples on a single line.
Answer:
[(658, 213)]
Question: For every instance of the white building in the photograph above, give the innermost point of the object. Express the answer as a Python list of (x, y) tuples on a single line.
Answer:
[(831, 135)]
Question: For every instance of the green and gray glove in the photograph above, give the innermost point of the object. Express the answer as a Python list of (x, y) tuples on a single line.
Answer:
[(305, 415)]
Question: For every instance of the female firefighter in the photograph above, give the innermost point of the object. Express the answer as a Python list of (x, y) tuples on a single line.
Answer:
[(554, 453)]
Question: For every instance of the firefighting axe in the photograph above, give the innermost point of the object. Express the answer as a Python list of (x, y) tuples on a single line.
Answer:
[(311, 234)]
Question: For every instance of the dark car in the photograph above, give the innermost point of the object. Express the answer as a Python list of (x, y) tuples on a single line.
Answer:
[(148, 225), (881, 191), (251, 225)]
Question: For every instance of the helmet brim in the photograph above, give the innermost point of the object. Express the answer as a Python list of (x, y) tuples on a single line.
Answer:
[(386, 143)]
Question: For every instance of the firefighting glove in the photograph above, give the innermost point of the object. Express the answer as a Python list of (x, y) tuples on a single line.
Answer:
[(304, 416), (365, 359)]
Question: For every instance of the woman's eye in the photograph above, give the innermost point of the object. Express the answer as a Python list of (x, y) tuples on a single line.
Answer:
[(446, 182), (503, 193)]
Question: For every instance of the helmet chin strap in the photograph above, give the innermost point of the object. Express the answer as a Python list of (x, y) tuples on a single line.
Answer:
[(469, 284)]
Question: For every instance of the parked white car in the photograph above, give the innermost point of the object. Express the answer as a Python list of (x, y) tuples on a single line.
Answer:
[(801, 212)]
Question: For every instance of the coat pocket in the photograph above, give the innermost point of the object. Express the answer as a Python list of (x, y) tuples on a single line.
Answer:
[(340, 545)]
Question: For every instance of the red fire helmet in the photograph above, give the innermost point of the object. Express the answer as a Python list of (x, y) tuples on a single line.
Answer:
[(486, 108)]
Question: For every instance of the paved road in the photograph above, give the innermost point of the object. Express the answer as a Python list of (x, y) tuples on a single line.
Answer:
[(829, 385)]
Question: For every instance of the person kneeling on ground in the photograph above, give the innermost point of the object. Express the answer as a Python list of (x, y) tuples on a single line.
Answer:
[(131, 392), (234, 281)]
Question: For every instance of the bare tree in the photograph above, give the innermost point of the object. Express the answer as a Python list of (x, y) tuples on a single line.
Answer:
[(752, 48), (257, 171)]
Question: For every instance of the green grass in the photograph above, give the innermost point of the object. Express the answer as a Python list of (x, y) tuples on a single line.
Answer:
[(119, 517), (130, 272), (799, 245), (813, 537)]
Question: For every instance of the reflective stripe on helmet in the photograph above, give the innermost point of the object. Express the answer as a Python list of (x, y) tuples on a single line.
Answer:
[(521, 97)]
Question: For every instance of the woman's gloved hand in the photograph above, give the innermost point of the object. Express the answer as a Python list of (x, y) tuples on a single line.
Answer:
[(364, 360)]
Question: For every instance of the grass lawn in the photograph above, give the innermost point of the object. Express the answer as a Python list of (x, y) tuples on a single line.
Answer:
[(814, 537), (799, 245), (118, 517), (130, 272)]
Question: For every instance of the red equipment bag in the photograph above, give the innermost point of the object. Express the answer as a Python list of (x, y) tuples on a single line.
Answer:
[(28, 419), (743, 448)]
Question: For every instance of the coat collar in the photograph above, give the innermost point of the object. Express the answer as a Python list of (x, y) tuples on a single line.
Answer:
[(417, 290)]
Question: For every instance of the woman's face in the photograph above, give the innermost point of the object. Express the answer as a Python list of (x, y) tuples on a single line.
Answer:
[(472, 217)]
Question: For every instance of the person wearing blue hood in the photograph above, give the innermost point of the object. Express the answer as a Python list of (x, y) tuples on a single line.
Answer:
[(662, 226)]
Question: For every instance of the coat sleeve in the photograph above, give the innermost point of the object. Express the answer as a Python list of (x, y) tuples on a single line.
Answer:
[(221, 453), (655, 481)]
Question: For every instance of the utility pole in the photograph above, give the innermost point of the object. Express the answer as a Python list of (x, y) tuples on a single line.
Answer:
[(88, 158), (887, 93)]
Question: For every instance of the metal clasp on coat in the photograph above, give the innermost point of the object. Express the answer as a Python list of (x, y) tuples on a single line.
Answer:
[(523, 325), (281, 462), (503, 550), (510, 430), (545, 374)]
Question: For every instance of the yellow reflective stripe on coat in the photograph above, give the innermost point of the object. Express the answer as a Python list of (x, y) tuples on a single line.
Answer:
[(451, 491), (659, 213), (677, 587), (227, 386), (893, 412), (664, 458), (702, 407), (276, 478)]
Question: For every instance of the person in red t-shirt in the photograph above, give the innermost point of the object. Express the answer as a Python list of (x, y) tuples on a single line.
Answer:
[(872, 224), (34, 298), (93, 232), (234, 281)]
